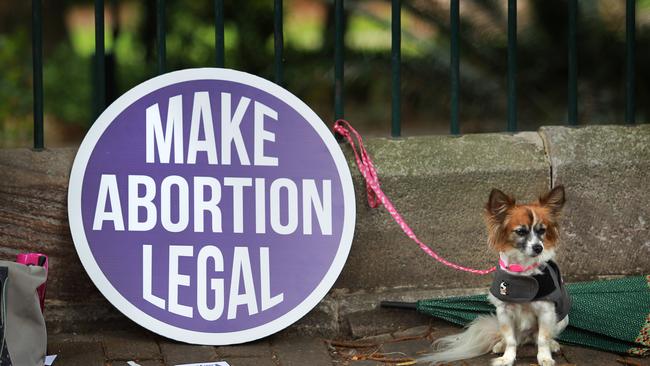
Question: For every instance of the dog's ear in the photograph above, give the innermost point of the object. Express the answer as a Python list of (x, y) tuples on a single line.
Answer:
[(498, 205), (553, 200)]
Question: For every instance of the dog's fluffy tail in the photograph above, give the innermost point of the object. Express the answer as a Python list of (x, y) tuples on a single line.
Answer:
[(478, 339)]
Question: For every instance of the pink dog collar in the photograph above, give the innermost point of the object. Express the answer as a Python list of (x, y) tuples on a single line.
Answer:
[(516, 267)]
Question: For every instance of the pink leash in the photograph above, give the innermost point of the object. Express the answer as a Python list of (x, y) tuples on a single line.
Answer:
[(376, 195)]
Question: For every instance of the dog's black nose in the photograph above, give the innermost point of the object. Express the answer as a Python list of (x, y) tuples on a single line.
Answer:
[(537, 248)]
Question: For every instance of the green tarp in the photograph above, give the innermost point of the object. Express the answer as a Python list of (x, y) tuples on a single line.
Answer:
[(611, 315)]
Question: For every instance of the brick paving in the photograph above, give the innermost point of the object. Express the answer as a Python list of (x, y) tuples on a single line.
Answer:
[(116, 348)]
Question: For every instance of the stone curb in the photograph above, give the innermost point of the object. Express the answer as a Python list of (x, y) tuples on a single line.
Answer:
[(438, 183)]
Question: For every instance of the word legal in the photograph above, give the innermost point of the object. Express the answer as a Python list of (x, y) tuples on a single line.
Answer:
[(211, 290)]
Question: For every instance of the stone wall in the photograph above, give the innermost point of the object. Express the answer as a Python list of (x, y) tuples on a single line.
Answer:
[(438, 183)]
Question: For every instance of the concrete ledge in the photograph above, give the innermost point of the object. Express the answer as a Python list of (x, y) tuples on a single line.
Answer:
[(438, 183), (34, 217), (606, 170)]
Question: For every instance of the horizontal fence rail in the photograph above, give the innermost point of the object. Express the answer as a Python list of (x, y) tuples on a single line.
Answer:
[(99, 77)]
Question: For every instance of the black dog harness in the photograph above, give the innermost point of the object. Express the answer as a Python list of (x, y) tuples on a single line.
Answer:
[(547, 286)]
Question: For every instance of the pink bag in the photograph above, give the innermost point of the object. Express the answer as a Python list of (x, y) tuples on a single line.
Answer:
[(35, 259)]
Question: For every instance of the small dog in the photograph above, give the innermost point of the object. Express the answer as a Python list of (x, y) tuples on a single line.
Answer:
[(528, 292)]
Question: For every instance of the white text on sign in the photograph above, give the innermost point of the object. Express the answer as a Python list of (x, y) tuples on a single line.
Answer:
[(199, 203), (242, 274), (203, 123)]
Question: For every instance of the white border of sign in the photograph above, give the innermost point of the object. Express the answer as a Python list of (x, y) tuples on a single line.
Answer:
[(137, 315)]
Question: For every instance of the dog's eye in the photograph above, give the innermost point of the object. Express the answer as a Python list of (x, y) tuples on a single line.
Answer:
[(521, 231), (541, 231)]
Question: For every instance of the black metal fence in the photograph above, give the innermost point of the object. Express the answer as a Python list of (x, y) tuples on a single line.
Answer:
[(396, 123)]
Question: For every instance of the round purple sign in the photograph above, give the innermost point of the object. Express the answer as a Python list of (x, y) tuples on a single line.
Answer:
[(211, 206)]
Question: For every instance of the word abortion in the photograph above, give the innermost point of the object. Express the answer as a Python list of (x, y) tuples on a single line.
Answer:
[(185, 205)]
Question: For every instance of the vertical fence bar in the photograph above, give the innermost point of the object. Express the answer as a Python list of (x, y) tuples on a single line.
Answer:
[(573, 64), (218, 33), (160, 35), (100, 59), (512, 66), (339, 47), (37, 65), (454, 19), (396, 55), (630, 50), (278, 39)]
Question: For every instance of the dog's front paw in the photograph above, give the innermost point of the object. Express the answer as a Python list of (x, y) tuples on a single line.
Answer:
[(545, 361), (500, 347), (554, 346), (502, 361)]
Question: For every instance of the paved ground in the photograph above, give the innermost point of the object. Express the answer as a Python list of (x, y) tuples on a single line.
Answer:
[(398, 348)]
